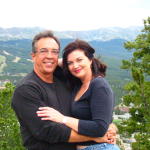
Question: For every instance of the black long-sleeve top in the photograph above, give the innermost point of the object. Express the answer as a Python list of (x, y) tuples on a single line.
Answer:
[(37, 134), (94, 108)]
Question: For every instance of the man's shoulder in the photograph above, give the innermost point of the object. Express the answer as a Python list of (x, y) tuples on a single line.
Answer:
[(29, 79)]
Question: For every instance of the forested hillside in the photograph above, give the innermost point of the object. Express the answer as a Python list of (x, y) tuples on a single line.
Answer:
[(15, 60)]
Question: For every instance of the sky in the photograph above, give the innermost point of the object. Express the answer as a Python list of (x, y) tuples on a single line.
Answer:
[(60, 15)]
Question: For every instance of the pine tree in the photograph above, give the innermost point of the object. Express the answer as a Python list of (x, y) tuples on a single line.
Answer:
[(137, 96)]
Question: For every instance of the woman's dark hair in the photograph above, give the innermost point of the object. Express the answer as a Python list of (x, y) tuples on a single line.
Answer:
[(98, 68)]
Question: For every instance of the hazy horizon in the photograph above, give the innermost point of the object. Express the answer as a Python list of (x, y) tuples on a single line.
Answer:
[(113, 27)]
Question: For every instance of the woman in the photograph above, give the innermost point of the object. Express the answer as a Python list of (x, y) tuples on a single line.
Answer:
[(93, 97)]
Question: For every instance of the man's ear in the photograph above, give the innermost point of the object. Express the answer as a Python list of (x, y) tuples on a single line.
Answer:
[(32, 56)]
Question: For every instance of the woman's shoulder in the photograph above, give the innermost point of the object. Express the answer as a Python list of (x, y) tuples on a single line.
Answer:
[(99, 81)]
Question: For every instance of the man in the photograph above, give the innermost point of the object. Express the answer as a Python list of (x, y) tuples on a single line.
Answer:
[(42, 88)]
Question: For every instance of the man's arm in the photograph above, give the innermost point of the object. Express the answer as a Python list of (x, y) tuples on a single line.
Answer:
[(26, 101), (109, 137), (75, 137)]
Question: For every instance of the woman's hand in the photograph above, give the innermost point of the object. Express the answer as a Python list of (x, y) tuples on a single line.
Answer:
[(48, 113)]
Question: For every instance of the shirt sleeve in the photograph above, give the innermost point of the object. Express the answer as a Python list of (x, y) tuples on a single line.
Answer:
[(101, 105), (25, 102)]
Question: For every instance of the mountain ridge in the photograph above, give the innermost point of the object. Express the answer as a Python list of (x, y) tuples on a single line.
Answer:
[(102, 34)]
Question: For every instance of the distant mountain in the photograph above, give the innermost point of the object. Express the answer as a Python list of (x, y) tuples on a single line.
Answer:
[(18, 33), (102, 34)]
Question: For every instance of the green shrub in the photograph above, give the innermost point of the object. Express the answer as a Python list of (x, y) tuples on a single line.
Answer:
[(9, 127)]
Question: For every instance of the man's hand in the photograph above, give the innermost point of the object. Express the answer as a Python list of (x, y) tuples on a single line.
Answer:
[(112, 129), (107, 138)]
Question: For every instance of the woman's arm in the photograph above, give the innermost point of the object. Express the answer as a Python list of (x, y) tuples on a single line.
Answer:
[(48, 113), (101, 107)]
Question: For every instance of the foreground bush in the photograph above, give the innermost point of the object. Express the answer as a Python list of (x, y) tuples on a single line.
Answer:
[(10, 138)]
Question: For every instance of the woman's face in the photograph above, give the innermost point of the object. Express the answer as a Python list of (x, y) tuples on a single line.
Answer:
[(79, 64)]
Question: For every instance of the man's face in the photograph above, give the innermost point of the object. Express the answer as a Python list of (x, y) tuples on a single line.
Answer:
[(46, 57)]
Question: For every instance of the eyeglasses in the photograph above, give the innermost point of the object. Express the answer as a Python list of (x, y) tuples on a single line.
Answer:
[(45, 51)]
